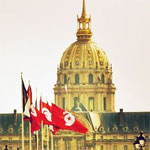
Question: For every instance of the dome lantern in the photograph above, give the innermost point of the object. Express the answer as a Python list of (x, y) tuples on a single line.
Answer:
[(84, 26)]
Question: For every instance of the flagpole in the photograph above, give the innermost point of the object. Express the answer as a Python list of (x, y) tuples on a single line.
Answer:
[(42, 133), (36, 133), (47, 138), (30, 144), (22, 114), (52, 146), (37, 139)]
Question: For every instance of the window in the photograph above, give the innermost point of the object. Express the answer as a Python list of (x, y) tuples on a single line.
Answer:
[(65, 79), (90, 78), (125, 147), (56, 145), (10, 148), (135, 129), (103, 78), (146, 136), (10, 139), (76, 78), (76, 101), (91, 103), (114, 147), (63, 103), (104, 101), (20, 148), (115, 137), (79, 145), (101, 138), (125, 137), (67, 145)]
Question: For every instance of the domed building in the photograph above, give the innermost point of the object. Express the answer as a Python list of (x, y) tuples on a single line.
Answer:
[(84, 78), (86, 89)]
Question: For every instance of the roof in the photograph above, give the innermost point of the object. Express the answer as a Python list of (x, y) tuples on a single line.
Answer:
[(122, 122), (11, 124), (105, 123)]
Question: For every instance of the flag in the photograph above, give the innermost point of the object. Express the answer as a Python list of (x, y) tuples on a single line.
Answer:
[(35, 119), (46, 116), (24, 96), (31, 113), (66, 120), (28, 104), (61, 119)]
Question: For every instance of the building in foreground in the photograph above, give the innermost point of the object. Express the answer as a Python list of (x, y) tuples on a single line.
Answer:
[(84, 87)]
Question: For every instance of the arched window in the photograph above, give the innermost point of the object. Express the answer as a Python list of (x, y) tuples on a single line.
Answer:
[(91, 103), (104, 103), (114, 147), (90, 78), (65, 79), (125, 147), (103, 78), (77, 79)]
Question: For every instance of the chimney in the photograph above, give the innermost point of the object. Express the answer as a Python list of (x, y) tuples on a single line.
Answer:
[(15, 116), (121, 117)]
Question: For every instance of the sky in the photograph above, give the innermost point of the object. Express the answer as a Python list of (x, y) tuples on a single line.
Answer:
[(35, 33)]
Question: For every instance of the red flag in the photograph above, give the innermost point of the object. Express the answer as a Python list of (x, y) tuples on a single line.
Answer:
[(66, 120), (35, 119), (61, 119), (46, 116), (29, 93)]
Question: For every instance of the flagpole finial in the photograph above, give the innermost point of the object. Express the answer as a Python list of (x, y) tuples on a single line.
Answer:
[(21, 74), (29, 82)]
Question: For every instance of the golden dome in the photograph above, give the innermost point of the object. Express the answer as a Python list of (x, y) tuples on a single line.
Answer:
[(84, 55)]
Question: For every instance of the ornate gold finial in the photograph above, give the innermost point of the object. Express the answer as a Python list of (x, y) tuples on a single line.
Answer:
[(84, 29), (84, 9)]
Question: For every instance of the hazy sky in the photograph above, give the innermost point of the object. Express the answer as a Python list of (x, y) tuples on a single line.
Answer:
[(35, 33)]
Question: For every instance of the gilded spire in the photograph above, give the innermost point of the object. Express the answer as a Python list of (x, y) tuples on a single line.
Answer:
[(84, 9), (84, 30)]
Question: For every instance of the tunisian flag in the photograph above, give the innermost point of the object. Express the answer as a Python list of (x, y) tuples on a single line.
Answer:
[(46, 116), (60, 118), (35, 119)]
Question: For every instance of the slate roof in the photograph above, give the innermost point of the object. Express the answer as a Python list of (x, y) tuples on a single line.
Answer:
[(11, 124), (105, 123), (125, 122)]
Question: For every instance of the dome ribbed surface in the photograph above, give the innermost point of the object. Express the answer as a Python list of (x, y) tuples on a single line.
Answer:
[(84, 55)]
